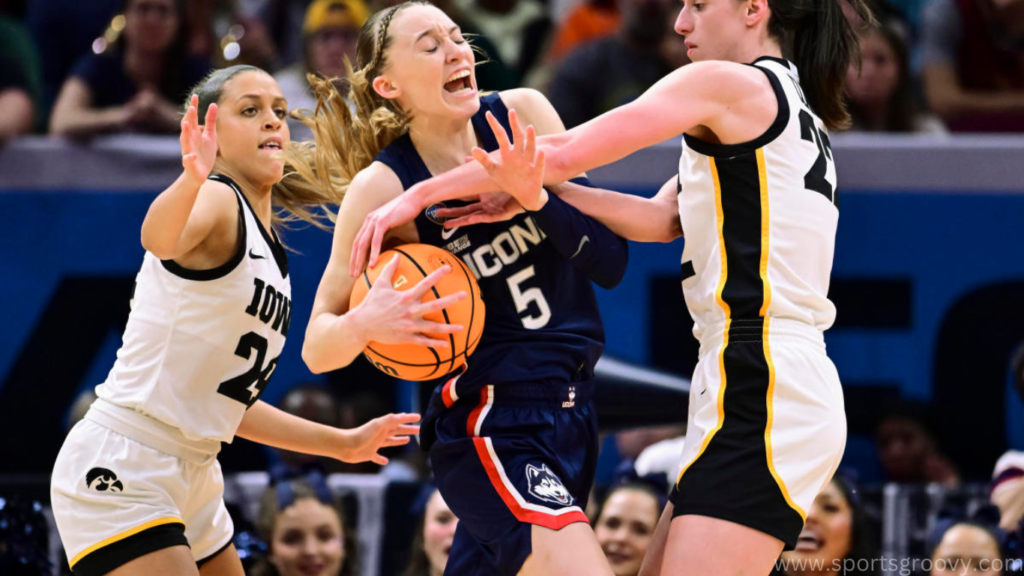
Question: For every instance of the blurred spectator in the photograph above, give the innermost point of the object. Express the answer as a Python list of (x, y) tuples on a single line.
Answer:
[(517, 28), (967, 548), (973, 58), (329, 32), (589, 20), (138, 82), (837, 535), (907, 448), (19, 81), (607, 73), (314, 403), (625, 525), (64, 30), (305, 531), (1008, 476), (880, 94), (435, 532)]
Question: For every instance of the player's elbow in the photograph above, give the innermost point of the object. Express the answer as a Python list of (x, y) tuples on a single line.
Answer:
[(313, 360), (157, 246)]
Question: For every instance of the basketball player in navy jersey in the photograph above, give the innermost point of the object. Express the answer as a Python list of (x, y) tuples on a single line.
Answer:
[(512, 439), (136, 489), (755, 197)]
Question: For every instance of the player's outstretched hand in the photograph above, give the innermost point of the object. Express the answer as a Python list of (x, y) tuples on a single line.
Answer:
[(384, 432), (370, 237), (198, 143), (496, 207), (391, 316), (518, 168)]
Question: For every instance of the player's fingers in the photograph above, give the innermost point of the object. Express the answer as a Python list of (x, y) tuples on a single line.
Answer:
[(540, 162), (531, 142), (439, 304), (517, 130), (429, 342), (378, 459), (499, 132), (375, 243), (404, 418), (210, 128), (407, 430), (484, 159), (396, 441), (387, 273), (421, 287), (186, 137), (458, 211), (476, 218), (436, 328), (355, 261)]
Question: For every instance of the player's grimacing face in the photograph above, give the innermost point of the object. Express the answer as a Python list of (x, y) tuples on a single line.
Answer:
[(438, 532), (308, 540), (430, 64), (711, 27), (251, 129)]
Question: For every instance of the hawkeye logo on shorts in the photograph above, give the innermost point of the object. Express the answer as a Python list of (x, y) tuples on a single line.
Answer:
[(545, 485), (101, 479)]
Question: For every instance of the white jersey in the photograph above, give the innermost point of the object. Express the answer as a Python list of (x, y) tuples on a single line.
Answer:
[(200, 345), (760, 220)]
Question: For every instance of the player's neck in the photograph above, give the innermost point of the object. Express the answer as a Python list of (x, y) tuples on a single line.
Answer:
[(258, 195), (753, 49), (444, 143)]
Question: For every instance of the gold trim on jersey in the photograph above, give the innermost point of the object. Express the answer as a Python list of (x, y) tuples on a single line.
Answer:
[(720, 214), (762, 174)]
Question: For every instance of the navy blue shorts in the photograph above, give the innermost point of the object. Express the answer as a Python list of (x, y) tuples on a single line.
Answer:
[(507, 457)]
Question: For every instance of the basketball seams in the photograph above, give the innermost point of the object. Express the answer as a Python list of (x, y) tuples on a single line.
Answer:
[(437, 296), (399, 362)]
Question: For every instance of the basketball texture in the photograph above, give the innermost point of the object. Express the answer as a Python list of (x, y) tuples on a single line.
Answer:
[(413, 361)]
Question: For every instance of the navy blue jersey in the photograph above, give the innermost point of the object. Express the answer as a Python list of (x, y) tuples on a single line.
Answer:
[(543, 323)]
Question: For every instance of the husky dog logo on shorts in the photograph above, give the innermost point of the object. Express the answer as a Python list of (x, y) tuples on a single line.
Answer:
[(101, 479), (545, 485)]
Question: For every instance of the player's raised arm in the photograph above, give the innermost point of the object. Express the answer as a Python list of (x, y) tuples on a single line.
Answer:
[(695, 95), (182, 216)]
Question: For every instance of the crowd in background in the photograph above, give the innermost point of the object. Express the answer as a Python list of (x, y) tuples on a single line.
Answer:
[(76, 69)]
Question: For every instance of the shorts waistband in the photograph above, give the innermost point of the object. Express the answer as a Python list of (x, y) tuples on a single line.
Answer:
[(753, 330), (151, 432), (523, 394)]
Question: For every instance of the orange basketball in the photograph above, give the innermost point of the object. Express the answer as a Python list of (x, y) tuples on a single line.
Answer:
[(413, 361)]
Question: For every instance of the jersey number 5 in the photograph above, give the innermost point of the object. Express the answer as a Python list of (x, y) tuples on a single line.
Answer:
[(522, 299), (815, 179), (246, 388)]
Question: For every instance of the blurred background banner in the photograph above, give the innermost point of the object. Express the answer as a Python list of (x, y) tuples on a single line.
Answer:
[(928, 281)]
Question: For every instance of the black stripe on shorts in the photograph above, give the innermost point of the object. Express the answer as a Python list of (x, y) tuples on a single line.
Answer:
[(117, 554)]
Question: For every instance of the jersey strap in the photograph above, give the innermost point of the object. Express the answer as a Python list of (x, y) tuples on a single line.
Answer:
[(773, 131)]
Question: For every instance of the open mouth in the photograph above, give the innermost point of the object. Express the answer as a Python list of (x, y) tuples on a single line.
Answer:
[(270, 145), (809, 541), (459, 83)]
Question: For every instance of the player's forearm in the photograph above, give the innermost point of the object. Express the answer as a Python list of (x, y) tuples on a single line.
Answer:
[(632, 217), (333, 341), (167, 216), (270, 426)]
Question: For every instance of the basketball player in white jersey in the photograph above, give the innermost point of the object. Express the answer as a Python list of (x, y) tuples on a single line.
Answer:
[(136, 489), (756, 199)]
